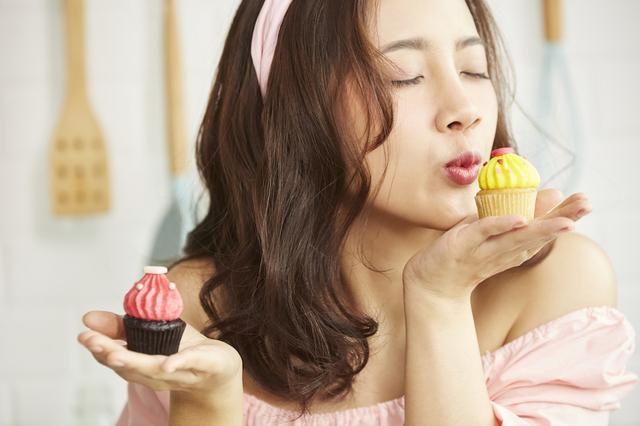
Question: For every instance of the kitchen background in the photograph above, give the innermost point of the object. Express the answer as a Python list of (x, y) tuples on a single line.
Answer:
[(53, 270)]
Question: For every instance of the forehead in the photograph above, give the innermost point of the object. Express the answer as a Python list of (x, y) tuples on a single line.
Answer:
[(439, 21)]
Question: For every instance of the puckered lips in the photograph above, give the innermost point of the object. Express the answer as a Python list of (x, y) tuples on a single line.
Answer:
[(464, 168)]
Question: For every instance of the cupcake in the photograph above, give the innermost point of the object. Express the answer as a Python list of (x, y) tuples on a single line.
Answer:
[(153, 307), (508, 185)]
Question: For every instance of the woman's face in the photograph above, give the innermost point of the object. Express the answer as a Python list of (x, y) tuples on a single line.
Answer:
[(443, 107)]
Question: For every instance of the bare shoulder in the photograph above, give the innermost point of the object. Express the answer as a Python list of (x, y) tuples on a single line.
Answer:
[(189, 277), (576, 274)]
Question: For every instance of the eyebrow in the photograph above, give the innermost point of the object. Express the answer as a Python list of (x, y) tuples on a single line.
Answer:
[(419, 43)]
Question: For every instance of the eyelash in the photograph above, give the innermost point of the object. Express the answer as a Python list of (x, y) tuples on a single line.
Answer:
[(414, 81)]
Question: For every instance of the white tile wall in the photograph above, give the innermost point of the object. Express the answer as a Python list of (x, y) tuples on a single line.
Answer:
[(6, 404), (52, 271)]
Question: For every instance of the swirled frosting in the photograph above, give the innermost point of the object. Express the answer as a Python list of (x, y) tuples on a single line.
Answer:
[(506, 169), (153, 297)]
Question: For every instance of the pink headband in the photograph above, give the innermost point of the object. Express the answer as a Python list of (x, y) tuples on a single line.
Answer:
[(265, 37)]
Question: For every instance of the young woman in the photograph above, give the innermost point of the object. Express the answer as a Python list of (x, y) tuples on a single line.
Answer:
[(340, 273)]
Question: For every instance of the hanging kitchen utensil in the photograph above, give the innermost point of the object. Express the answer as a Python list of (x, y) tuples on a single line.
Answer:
[(561, 159), (78, 165), (177, 221)]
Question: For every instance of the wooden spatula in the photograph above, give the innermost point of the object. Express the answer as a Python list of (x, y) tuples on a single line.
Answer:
[(79, 172)]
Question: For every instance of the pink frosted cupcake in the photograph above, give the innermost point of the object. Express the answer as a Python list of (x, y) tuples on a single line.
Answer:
[(152, 321)]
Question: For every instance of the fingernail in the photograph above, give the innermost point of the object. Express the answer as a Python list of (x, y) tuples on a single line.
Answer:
[(566, 228), (581, 213)]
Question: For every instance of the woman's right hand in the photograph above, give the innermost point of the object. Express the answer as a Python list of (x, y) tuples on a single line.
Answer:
[(202, 366)]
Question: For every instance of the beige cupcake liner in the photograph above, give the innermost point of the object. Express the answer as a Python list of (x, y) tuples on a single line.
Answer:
[(500, 202)]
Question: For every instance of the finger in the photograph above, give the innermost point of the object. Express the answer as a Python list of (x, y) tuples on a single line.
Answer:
[(157, 380), (531, 248), (161, 381), (519, 238), (146, 364), (529, 252), (107, 323), (208, 359), (575, 206), (477, 232), (148, 369), (546, 200), (94, 338), (139, 367), (99, 345), (466, 220)]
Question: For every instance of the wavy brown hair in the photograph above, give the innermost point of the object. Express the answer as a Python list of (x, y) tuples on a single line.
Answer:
[(277, 173)]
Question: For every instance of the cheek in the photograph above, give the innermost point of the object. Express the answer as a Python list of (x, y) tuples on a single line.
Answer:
[(488, 105), (412, 114), (409, 187)]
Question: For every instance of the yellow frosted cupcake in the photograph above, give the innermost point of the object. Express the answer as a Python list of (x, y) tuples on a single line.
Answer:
[(508, 185)]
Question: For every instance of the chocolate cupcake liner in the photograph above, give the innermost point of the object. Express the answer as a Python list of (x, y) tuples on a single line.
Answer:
[(500, 202), (153, 337)]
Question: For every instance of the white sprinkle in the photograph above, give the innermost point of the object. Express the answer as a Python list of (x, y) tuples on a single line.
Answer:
[(172, 286), (139, 286)]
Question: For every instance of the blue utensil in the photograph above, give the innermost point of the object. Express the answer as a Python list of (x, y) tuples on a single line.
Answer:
[(562, 156), (178, 220)]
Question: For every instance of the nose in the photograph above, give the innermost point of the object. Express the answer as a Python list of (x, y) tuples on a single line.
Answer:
[(457, 112)]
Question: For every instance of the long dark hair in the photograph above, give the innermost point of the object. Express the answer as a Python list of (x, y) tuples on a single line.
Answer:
[(277, 173)]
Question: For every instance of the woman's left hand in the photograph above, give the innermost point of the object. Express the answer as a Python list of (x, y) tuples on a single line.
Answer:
[(546, 200), (476, 249)]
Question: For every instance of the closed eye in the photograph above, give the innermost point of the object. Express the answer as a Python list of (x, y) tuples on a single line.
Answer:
[(416, 80), (410, 82), (477, 75)]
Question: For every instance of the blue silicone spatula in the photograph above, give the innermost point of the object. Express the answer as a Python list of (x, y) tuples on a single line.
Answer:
[(563, 150), (177, 221)]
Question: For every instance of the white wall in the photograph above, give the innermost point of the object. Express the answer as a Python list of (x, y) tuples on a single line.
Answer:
[(51, 271), (604, 64)]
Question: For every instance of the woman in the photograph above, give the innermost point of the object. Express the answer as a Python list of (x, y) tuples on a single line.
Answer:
[(355, 282)]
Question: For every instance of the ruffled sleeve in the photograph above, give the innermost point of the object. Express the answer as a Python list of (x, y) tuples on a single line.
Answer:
[(569, 371), (144, 407)]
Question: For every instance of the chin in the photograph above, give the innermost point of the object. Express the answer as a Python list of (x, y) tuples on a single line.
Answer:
[(456, 210)]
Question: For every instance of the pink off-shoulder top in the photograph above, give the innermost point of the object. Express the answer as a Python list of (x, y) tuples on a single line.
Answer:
[(569, 371)]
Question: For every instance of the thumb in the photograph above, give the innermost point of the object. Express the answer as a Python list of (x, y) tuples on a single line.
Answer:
[(546, 200), (107, 323)]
